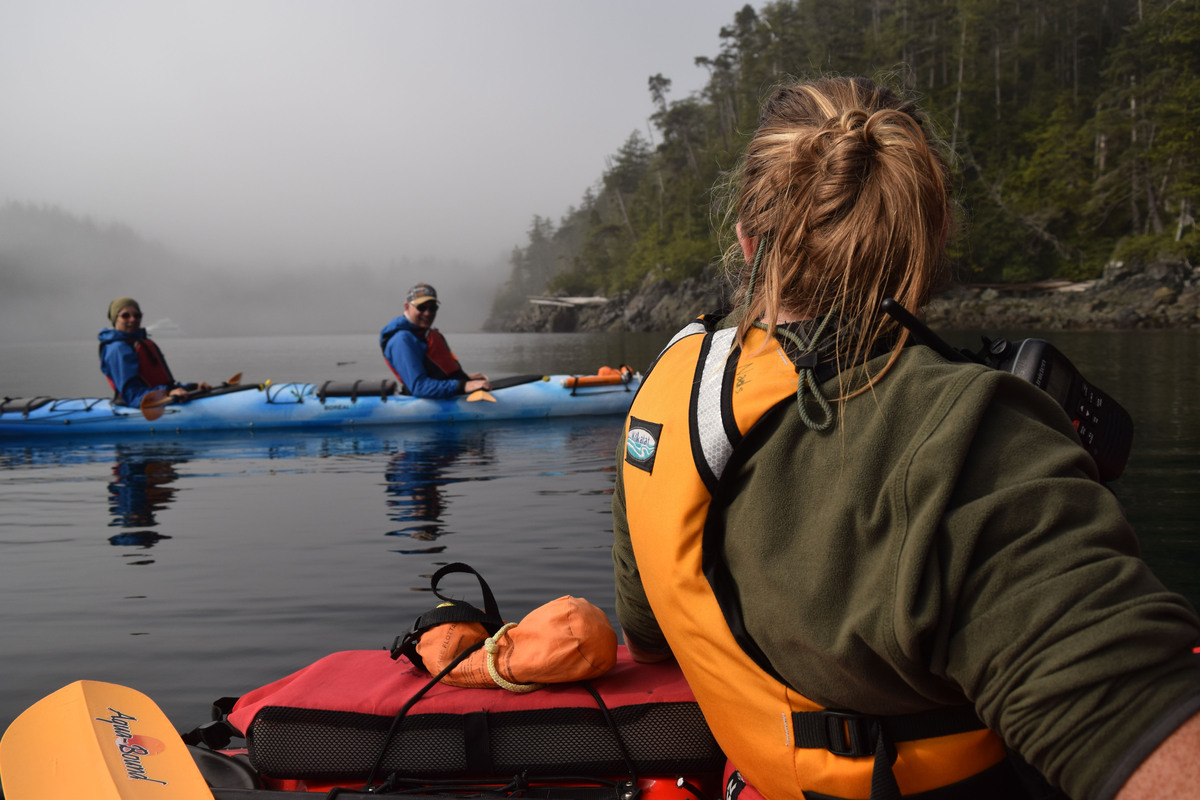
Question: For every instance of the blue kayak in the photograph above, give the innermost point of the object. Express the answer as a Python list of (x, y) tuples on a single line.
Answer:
[(321, 405)]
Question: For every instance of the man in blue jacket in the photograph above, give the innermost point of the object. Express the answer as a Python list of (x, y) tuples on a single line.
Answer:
[(418, 354)]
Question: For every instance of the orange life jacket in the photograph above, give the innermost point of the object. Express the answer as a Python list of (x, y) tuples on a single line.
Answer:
[(696, 406)]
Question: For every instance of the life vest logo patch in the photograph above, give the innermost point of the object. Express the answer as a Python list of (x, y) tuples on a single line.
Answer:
[(641, 445)]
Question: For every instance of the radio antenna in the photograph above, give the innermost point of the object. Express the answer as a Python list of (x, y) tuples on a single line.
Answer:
[(922, 332)]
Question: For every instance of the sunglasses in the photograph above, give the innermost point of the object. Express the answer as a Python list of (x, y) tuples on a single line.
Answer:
[(430, 306), (130, 315)]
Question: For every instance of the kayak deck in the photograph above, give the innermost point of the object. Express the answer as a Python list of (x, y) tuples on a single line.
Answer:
[(300, 405)]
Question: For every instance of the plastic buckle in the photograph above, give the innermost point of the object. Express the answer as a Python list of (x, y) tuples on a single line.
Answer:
[(406, 645), (848, 734)]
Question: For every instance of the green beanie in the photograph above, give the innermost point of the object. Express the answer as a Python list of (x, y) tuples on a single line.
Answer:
[(115, 307)]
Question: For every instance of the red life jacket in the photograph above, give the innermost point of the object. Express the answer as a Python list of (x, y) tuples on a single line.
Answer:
[(440, 361), (437, 352), (152, 365)]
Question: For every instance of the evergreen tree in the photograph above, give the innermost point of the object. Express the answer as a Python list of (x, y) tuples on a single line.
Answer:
[(1071, 124)]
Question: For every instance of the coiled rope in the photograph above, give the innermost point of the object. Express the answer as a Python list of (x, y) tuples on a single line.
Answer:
[(491, 645)]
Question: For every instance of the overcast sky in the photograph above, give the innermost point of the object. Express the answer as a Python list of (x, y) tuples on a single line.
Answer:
[(332, 131)]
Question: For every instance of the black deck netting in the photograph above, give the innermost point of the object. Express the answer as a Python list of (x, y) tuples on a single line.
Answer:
[(660, 738)]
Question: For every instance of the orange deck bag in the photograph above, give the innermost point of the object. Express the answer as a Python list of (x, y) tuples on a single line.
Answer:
[(565, 640)]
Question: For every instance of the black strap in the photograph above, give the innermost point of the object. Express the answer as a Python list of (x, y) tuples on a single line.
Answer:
[(616, 731), (395, 726), (846, 733), (385, 338), (449, 611), (489, 600), (217, 733)]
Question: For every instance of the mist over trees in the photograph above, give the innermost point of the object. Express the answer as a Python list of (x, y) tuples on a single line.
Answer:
[(59, 272), (1072, 126)]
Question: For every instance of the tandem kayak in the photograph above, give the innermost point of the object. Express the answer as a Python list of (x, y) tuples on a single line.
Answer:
[(634, 732), (323, 405)]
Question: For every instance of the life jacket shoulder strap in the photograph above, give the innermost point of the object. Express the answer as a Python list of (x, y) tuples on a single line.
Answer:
[(714, 427), (706, 323)]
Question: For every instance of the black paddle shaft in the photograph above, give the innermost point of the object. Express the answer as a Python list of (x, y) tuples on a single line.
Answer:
[(515, 380)]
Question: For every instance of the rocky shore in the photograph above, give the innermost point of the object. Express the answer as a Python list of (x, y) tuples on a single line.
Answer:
[(1163, 294)]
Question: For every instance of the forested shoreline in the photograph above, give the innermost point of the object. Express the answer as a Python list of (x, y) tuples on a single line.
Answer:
[(1071, 126), (1162, 294)]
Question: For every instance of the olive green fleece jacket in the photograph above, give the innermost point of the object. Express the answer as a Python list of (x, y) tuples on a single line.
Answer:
[(948, 542)]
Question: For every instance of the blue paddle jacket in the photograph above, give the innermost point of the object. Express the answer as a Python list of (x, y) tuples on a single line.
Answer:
[(405, 347), (121, 360)]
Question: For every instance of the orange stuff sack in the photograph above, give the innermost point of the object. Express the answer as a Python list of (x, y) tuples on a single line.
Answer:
[(438, 646), (565, 640)]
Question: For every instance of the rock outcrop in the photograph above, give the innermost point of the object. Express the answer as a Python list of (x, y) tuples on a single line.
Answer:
[(1165, 294)]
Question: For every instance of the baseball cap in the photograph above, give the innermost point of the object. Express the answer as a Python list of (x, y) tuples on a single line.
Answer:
[(421, 293)]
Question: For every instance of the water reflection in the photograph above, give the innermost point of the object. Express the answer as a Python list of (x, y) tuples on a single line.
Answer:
[(416, 478), (264, 524), (142, 485)]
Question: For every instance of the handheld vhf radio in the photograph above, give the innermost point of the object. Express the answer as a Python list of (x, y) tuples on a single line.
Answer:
[(1104, 427)]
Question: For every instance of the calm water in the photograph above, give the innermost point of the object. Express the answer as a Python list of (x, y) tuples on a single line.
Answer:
[(199, 566)]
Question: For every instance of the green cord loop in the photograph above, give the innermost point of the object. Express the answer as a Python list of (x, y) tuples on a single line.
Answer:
[(758, 257), (808, 382)]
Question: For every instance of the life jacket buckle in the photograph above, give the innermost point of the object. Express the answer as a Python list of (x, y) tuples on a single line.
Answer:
[(849, 734)]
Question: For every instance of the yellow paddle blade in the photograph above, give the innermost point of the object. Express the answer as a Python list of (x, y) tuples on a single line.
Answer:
[(480, 394), (97, 740)]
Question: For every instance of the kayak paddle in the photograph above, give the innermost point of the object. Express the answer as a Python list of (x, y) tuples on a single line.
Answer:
[(153, 402), (504, 383), (99, 740), (517, 380), (104, 741)]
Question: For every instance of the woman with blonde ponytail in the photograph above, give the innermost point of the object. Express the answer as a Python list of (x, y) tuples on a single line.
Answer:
[(843, 199), (884, 574)]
